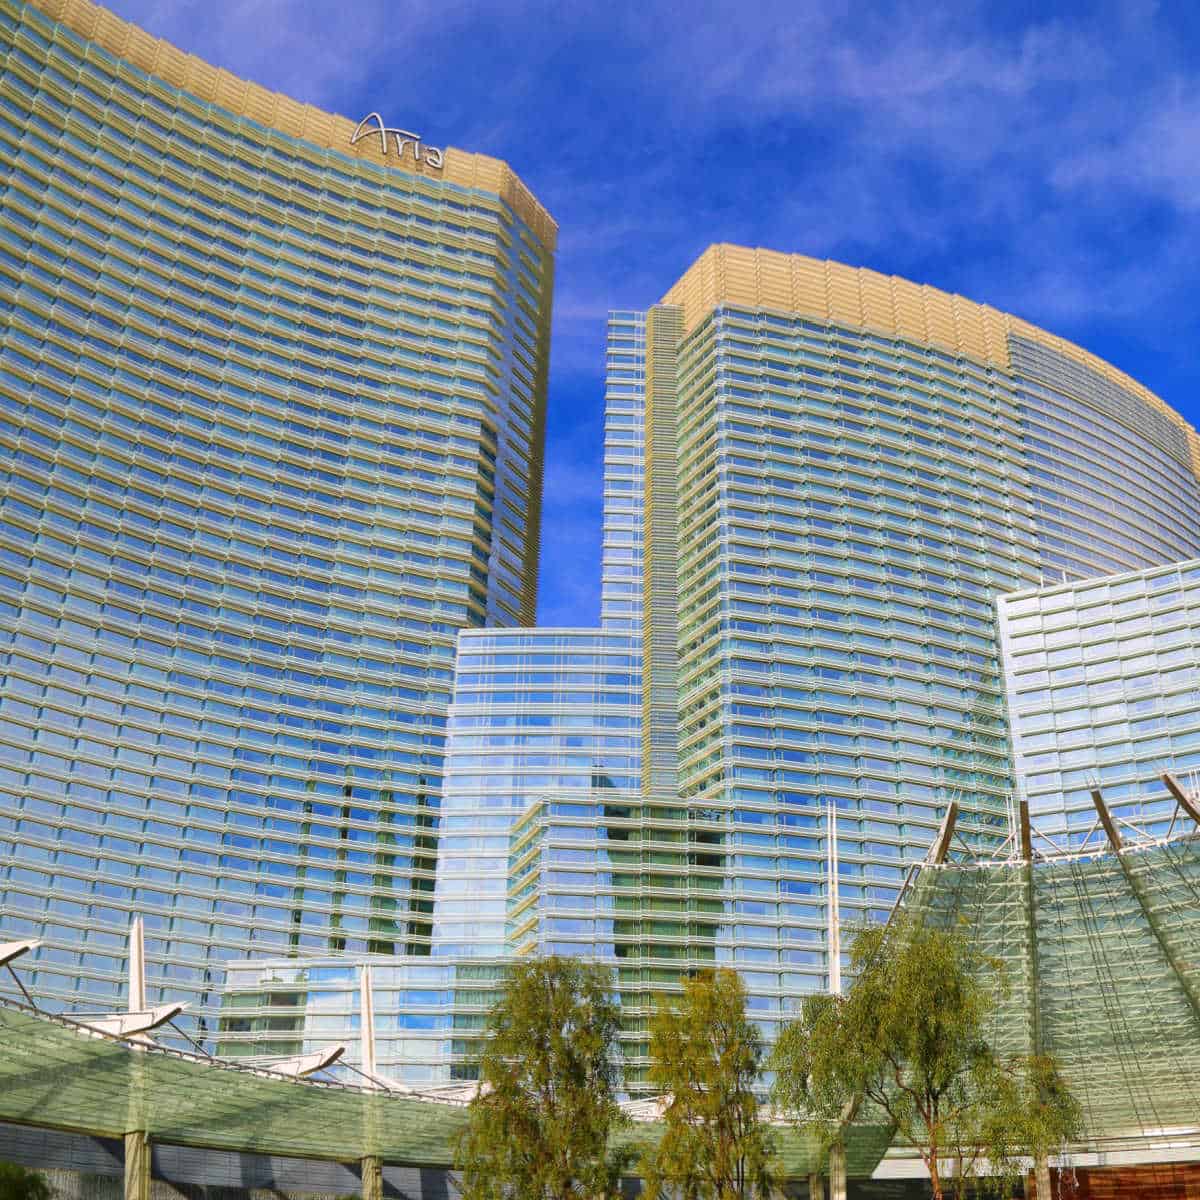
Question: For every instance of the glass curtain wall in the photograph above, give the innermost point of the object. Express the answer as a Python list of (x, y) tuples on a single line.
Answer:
[(1103, 683), (271, 421)]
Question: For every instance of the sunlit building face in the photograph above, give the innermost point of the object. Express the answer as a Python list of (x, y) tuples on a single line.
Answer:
[(1103, 679), (271, 407)]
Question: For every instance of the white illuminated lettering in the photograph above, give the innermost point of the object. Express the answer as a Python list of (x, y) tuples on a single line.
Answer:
[(372, 126)]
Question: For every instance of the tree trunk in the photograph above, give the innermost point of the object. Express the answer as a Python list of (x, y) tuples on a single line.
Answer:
[(1041, 1169), (935, 1180), (837, 1171)]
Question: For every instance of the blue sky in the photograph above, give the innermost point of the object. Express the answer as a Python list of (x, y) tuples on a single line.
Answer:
[(1041, 158)]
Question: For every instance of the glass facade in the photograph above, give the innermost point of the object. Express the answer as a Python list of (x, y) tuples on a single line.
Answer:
[(1103, 680), (624, 475), (428, 1012), (536, 714), (1100, 953), (543, 721), (271, 423), (848, 508), (828, 515), (1113, 478)]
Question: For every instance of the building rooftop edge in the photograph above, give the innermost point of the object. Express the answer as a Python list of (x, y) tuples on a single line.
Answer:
[(889, 305), (1071, 585), (243, 98)]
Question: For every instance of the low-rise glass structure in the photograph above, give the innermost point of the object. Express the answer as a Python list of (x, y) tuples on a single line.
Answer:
[(1099, 954), (1099, 957)]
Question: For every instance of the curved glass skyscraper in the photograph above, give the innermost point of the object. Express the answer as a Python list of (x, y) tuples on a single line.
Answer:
[(272, 394), (860, 466)]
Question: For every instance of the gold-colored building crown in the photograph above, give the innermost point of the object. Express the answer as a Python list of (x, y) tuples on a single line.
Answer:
[(883, 304), (329, 131)]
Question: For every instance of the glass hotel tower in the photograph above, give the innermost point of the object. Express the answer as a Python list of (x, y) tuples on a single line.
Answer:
[(842, 472), (271, 413), (272, 423)]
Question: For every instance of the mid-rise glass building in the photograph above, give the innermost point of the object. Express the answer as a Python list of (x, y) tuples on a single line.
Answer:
[(1103, 683), (272, 399)]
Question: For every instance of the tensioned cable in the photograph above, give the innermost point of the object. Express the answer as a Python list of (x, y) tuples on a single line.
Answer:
[(1126, 1046)]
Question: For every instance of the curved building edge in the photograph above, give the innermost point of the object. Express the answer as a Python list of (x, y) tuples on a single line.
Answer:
[(888, 305), (303, 122)]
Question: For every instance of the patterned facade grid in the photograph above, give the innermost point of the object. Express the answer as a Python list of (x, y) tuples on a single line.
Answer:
[(541, 721), (848, 508), (624, 427), (1103, 679), (537, 714), (543, 740), (855, 505), (857, 298), (271, 426), (199, 84), (1100, 948), (660, 572), (1113, 479), (429, 1012), (541, 718)]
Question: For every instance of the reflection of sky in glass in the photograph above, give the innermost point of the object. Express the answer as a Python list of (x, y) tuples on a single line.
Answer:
[(269, 436), (1104, 692), (536, 714)]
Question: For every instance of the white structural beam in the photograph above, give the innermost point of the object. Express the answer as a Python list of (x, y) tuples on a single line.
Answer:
[(137, 966), (127, 1024), (366, 1022), (366, 1032), (140, 1017), (11, 950), (460, 1094), (835, 923), (305, 1064)]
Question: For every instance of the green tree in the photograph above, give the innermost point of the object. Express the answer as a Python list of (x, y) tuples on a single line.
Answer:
[(704, 1060), (1032, 1114), (909, 1039), (539, 1127), (19, 1183)]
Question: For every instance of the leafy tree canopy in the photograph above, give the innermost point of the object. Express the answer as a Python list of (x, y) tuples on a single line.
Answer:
[(539, 1128), (19, 1183), (909, 1037), (705, 1060)]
